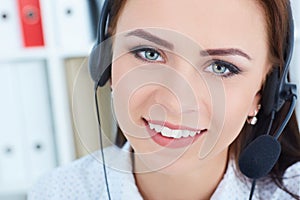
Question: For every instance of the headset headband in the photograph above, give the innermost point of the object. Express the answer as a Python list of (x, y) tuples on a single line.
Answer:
[(101, 56)]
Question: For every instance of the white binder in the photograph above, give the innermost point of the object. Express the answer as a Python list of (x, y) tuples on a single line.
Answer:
[(39, 142), (10, 31), (12, 162), (73, 22), (27, 129)]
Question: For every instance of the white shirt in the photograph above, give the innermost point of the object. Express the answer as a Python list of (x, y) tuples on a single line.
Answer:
[(84, 180)]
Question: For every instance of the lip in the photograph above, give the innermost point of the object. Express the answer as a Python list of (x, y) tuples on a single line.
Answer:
[(161, 140)]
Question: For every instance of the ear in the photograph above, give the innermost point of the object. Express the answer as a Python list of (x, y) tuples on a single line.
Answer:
[(255, 105)]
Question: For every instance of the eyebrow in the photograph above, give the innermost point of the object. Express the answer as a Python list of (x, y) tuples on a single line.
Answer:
[(224, 52), (152, 38), (209, 52)]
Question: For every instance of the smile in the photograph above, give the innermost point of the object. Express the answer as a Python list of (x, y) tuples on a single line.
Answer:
[(173, 133), (173, 136)]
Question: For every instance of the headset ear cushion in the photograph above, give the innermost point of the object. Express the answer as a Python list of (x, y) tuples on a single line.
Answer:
[(270, 91), (100, 62)]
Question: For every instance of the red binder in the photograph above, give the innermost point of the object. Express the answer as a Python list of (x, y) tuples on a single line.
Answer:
[(31, 22)]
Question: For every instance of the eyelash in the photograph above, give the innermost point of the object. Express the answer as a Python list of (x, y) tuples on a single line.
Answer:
[(140, 53), (142, 50), (230, 68)]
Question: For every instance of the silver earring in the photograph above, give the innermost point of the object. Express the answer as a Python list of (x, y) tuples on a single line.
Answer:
[(252, 120)]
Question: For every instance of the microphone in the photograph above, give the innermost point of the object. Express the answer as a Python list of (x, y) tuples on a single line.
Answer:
[(260, 156)]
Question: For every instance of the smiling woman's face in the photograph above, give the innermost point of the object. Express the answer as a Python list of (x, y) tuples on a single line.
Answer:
[(185, 76)]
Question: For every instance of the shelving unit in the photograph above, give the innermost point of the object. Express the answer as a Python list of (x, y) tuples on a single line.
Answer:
[(34, 95)]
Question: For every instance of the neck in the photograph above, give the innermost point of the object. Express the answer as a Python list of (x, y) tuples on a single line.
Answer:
[(198, 183)]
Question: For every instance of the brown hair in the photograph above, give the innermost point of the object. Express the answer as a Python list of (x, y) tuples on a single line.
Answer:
[(277, 27)]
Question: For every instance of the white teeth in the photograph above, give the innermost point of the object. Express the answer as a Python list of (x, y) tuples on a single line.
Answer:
[(176, 133), (151, 126), (156, 127), (167, 132), (193, 134), (186, 133)]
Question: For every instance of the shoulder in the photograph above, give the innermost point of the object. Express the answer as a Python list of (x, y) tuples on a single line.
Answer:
[(293, 171), (84, 178), (291, 178), (69, 179), (236, 186)]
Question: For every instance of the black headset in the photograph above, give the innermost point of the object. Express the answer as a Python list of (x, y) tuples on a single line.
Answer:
[(101, 56), (259, 157)]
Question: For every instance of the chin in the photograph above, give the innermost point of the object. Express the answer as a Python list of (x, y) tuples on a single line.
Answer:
[(181, 167), (167, 161)]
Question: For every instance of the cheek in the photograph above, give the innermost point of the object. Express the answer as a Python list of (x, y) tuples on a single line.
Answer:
[(122, 69), (236, 115), (141, 103), (237, 106), (118, 69)]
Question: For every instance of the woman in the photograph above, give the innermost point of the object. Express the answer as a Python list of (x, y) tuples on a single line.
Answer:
[(188, 81)]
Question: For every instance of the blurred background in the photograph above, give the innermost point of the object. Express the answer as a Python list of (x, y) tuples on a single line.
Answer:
[(47, 115)]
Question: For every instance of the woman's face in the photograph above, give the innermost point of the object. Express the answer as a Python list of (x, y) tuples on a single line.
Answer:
[(185, 76)]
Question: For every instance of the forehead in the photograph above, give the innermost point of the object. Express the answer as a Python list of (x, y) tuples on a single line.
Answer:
[(223, 23)]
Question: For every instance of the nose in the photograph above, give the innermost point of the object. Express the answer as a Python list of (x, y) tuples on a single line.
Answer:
[(182, 94)]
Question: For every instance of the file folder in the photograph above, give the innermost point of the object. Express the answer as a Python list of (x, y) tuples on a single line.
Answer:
[(12, 163), (39, 132), (10, 35), (74, 30), (27, 137), (31, 22)]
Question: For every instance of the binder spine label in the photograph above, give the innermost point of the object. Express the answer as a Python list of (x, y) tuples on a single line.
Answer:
[(31, 23)]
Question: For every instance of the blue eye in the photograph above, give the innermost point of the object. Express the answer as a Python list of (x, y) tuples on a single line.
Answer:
[(222, 69), (148, 54)]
